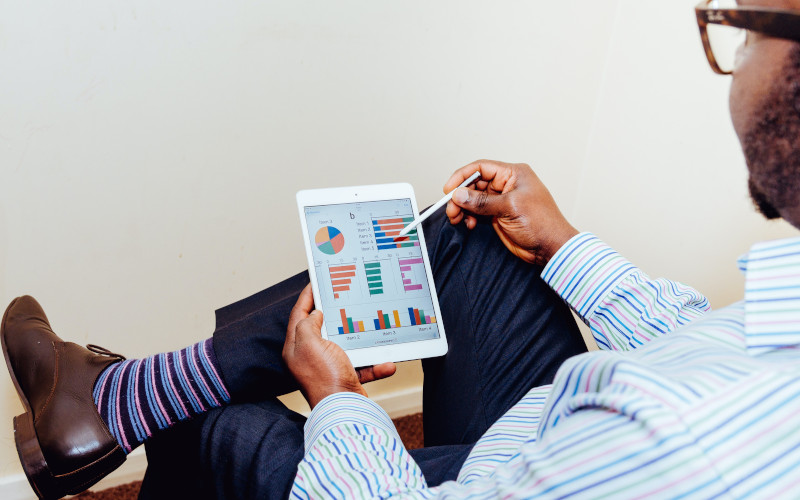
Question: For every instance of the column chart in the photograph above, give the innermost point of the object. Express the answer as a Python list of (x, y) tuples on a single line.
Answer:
[(348, 325), (386, 321), (418, 317)]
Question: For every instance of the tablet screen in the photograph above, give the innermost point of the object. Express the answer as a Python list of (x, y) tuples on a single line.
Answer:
[(372, 284)]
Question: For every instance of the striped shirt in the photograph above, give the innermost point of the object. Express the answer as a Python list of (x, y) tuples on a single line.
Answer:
[(679, 402)]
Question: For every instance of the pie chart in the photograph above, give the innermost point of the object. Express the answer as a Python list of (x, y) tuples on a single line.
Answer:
[(329, 240)]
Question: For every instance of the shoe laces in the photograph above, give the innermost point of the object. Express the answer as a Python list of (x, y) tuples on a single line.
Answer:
[(104, 352)]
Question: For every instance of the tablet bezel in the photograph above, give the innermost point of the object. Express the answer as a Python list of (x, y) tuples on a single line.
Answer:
[(367, 356)]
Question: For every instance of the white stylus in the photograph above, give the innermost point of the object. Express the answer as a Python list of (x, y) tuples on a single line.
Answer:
[(427, 213)]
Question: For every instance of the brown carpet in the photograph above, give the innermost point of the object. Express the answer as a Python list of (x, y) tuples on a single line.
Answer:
[(409, 428)]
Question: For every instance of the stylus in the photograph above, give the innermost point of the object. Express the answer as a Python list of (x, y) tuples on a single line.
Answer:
[(436, 206)]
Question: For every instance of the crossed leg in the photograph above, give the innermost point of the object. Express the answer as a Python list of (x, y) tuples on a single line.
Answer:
[(507, 332)]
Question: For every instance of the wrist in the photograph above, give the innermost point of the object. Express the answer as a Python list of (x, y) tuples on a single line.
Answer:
[(557, 240), (319, 393)]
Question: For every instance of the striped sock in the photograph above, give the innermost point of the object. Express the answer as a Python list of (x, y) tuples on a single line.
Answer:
[(139, 396)]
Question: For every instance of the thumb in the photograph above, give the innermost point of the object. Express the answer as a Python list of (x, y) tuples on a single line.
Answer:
[(310, 328), (480, 202)]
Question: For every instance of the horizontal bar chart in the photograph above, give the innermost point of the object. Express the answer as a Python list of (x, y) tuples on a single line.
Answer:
[(408, 275), (374, 278), (387, 230), (341, 278)]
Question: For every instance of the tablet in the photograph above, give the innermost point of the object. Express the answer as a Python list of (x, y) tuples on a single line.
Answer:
[(375, 289)]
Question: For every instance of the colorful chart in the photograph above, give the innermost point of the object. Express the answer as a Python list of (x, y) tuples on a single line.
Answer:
[(410, 281), (341, 278), (382, 322), (387, 230), (374, 279), (418, 317), (329, 240)]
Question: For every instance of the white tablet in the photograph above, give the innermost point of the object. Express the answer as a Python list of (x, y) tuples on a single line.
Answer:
[(374, 288)]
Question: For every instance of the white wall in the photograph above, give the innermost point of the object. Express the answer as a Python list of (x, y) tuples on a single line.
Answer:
[(149, 153)]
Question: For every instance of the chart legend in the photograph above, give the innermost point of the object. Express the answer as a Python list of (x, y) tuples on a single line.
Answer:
[(386, 230)]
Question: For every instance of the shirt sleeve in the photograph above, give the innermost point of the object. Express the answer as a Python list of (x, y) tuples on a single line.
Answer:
[(622, 305), (352, 450), (604, 448)]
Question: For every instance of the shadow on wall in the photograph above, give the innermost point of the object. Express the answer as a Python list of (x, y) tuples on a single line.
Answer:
[(8, 395)]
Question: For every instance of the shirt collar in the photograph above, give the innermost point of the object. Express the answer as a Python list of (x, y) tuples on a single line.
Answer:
[(772, 295)]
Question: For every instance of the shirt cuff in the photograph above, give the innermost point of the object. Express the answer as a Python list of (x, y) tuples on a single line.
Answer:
[(584, 270), (345, 408)]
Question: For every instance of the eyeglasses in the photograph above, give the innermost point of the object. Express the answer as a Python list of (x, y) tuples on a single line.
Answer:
[(724, 26)]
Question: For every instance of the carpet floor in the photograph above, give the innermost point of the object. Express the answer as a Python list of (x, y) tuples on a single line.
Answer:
[(409, 428)]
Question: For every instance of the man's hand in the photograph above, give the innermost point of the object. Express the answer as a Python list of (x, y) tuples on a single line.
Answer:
[(523, 212), (320, 366)]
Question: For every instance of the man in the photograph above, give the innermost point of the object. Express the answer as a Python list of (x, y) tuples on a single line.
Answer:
[(699, 404)]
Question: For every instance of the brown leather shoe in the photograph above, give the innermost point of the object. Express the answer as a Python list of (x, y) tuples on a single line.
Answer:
[(63, 444)]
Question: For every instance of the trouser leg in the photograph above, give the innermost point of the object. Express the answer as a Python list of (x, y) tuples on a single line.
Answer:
[(251, 450), (249, 339), (507, 332)]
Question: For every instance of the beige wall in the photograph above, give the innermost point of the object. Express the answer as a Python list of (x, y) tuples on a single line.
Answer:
[(149, 154)]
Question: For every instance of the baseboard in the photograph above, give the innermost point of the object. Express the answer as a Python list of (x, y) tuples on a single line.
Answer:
[(401, 403), (16, 487)]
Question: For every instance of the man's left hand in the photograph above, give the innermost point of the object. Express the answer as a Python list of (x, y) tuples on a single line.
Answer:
[(320, 366)]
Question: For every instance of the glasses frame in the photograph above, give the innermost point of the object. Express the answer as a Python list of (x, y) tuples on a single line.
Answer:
[(778, 23)]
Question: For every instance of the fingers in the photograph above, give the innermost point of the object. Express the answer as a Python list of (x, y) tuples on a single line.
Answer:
[(496, 178), (480, 202), (377, 372), (491, 173), (300, 311), (309, 329)]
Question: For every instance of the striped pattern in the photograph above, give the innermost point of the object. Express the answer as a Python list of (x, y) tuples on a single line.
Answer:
[(348, 421), (772, 297), (139, 396), (704, 412), (622, 306)]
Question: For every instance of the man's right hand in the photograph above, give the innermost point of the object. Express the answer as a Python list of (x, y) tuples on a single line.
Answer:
[(524, 214)]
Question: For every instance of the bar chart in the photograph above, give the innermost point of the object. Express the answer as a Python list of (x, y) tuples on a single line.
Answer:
[(418, 317), (341, 278), (386, 230), (374, 277), (382, 321), (412, 272), (348, 325)]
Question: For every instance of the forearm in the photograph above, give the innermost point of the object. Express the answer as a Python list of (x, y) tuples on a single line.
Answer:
[(621, 304), (353, 451)]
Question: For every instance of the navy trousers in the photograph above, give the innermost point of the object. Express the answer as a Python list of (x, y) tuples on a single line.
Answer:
[(507, 332)]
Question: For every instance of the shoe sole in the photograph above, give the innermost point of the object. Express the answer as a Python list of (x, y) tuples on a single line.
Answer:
[(44, 483)]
